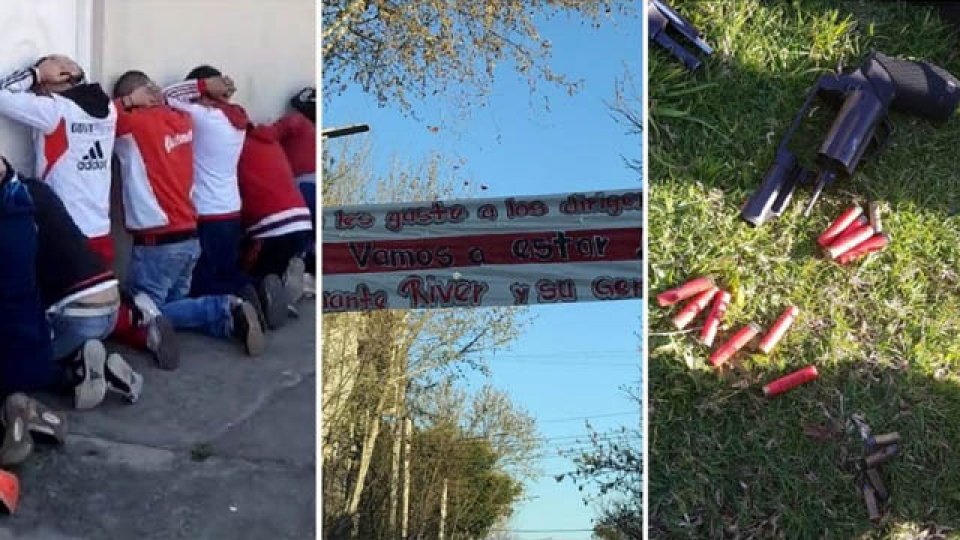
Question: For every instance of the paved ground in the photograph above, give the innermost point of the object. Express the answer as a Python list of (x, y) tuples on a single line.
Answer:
[(221, 448)]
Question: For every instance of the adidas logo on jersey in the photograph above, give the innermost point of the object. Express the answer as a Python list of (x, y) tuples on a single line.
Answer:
[(94, 160)]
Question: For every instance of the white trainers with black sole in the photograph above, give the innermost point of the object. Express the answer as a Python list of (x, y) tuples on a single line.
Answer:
[(293, 279), (90, 365), (122, 379), (309, 286)]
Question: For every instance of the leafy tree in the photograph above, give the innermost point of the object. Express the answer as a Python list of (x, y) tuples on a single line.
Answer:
[(400, 50), (379, 367), (610, 472)]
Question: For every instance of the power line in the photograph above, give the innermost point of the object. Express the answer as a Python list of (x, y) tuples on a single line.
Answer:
[(531, 531), (568, 354), (602, 415), (578, 364)]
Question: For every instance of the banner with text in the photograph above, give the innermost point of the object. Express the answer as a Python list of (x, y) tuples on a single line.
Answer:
[(511, 251)]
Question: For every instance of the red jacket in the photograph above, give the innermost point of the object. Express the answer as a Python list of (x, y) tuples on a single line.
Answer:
[(272, 204), (155, 149), (298, 136)]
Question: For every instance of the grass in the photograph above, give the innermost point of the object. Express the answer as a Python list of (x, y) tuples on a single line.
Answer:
[(884, 333)]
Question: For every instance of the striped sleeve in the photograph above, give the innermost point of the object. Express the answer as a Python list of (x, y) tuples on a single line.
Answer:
[(19, 81), (188, 90), (17, 103), (180, 96)]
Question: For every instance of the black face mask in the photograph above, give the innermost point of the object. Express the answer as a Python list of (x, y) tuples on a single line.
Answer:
[(91, 98), (306, 103)]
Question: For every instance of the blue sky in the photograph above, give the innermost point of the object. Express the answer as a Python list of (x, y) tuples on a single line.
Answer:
[(572, 360)]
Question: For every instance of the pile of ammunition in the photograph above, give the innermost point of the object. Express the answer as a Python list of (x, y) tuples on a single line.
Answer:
[(854, 235), (703, 290), (879, 449)]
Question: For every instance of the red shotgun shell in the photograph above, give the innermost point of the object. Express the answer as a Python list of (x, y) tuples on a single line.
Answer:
[(848, 240), (779, 328), (874, 243), (693, 308), (857, 223), (710, 327), (734, 344), (688, 289), (791, 381), (838, 225)]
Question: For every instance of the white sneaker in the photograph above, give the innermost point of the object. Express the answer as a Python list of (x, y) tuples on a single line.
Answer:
[(293, 279), (147, 307), (309, 286), (90, 367), (122, 379)]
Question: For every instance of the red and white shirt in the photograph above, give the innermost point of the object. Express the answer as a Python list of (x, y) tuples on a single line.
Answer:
[(272, 204), (72, 147), (155, 149), (298, 136), (216, 150)]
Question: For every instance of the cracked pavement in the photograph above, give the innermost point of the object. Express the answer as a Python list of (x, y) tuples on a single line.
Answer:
[(224, 447)]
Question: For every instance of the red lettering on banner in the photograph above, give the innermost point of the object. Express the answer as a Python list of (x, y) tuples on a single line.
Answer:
[(521, 293), (435, 214), (351, 220), (359, 300), (423, 254), (550, 291), (522, 209), (617, 288), (432, 292)]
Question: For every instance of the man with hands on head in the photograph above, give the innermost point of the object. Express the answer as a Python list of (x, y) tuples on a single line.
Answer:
[(155, 150), (74, 123), (219, 130), (298, 135)]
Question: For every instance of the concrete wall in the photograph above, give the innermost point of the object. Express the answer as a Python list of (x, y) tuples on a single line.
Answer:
[(28, 30), (267, 46)]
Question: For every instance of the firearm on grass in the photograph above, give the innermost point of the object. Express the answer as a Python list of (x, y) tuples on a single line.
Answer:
[(666, 26), (332, 133), (864, 97)]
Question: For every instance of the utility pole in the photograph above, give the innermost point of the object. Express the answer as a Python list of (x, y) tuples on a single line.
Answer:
[(405, 510), (443, 510)]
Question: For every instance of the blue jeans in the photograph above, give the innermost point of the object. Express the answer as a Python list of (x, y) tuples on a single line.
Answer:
[(26, 359), (308, 188), (218, 269), (70, 332), (164, 273)]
